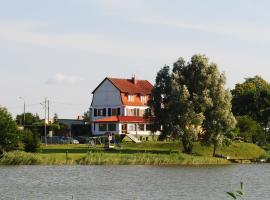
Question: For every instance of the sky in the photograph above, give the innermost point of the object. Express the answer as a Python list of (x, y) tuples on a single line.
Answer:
[(62, 49)]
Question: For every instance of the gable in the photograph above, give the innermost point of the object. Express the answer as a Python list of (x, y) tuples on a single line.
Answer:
[(106, 94)]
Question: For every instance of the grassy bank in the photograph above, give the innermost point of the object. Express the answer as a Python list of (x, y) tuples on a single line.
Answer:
[(147, 153)]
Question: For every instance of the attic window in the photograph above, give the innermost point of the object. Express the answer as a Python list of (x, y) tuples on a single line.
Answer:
[(130, 98)]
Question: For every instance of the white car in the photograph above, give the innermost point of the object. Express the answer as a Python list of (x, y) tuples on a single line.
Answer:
[(75, 141)]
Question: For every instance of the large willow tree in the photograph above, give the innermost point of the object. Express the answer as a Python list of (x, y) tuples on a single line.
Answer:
[(191, 101)]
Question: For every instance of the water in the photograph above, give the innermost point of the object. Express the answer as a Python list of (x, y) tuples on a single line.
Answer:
[(133, 182)]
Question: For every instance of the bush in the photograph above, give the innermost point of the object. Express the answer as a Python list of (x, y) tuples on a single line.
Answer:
[(250, 130), (31, 141), (9, 134)]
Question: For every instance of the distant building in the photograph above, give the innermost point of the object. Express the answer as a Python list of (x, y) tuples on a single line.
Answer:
[(118, 106)]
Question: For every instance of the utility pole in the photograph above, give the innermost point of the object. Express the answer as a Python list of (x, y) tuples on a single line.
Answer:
[(23, 111), (48, 110), (45, 116)]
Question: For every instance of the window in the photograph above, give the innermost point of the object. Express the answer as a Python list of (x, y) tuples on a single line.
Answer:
[(141, 127), (131, 98), (101, 112), (102, 127), (131, 127), (109, 112), (104, 111), (111, 127), (135, 112), (148, 127), (143, 99), (115, 111), (95, 112)]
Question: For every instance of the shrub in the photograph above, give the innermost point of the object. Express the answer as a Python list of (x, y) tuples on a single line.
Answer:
[(31, 141)]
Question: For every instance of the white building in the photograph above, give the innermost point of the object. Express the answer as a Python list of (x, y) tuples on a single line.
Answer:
[(119, 105)]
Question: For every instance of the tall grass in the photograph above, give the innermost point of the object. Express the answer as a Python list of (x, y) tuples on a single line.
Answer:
[(20, 158), (146, 159)]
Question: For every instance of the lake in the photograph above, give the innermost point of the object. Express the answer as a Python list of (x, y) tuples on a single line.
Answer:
[(133, 182)]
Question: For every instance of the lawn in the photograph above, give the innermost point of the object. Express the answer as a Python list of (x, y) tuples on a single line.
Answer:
[(145, 153), (155, 151)]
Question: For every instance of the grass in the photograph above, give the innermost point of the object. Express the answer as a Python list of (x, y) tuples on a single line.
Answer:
[(145, 153)]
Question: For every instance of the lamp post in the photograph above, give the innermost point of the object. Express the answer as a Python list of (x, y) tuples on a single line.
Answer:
[(23, 110)]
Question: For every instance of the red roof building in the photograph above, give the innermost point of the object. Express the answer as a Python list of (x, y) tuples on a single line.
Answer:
[(119, 106)]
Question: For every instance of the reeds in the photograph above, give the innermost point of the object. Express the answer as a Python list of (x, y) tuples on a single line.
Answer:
[(20, 158)]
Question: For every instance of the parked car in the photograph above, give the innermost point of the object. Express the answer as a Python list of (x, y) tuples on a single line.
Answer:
[(68, 140), (75, 141)]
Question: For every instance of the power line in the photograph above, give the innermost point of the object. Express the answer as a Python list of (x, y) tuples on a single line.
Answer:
[(70, 104)]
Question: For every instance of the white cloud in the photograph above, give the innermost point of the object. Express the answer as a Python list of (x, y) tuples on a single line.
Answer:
[(26, 34), (258, 33), (61, 78)]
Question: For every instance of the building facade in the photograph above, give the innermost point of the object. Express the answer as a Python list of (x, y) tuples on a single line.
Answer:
[(118, 106)]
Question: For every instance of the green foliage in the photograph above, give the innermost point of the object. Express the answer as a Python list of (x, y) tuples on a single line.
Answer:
[(19, 158), (30, 119), (159, 102), (252, 98), (87, 116), (250, 130), (192, 100), (9, 135), (31, 141)]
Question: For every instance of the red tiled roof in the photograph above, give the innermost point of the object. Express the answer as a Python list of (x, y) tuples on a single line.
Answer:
[(127, 86), (131, 119)]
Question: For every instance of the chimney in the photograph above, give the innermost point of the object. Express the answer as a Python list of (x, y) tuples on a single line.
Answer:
[(134, 79)]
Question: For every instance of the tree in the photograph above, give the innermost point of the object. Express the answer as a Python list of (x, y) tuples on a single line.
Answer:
[(30, 119), (219, 119), (252, 98), (159, 103), (87, 116), (186, 121), (31, 141), (250, 130), (191, 101), (9, 135), (55, 118)]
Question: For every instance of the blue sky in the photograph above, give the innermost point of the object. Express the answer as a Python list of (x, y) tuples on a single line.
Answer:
[(62, 49)]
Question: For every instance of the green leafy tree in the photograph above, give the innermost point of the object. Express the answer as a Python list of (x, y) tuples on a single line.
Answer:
[(252, 98), (159, 103), (186, 121), (30, 119), (9, 135), (87, 116), (31, 141), (219, 119), (250, 130), (192, 101)]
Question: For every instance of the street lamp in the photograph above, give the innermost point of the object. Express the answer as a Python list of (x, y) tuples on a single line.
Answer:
[(23, 110)]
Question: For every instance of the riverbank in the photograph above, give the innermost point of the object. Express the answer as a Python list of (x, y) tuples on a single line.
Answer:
[(147, 153)]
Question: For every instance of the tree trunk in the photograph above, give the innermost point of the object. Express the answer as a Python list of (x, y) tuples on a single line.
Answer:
[(187, 144)]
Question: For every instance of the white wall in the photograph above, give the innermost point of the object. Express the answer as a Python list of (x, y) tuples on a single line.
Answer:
[(107, 95)]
